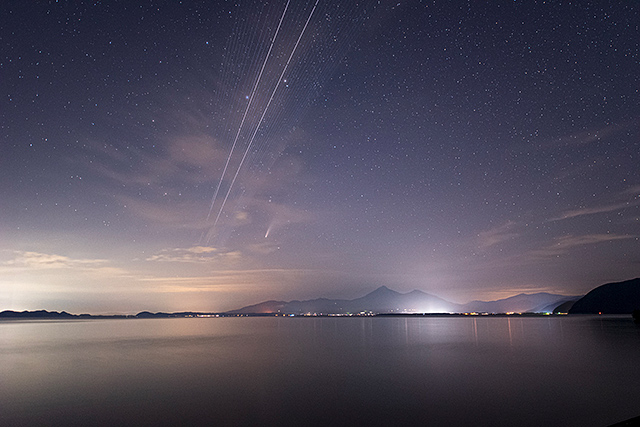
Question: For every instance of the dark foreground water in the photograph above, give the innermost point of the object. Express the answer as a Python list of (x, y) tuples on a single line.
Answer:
[(582, 371)]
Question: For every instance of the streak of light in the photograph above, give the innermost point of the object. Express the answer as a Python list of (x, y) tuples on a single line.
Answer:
[(475, 331), (246, 152), (253, 92)]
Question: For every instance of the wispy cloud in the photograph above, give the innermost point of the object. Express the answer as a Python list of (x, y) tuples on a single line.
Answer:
[(38, 260), (227, 280), (595, 210), (282, 215), (497, 235), (263, 248), (633, 191), (184, 159), (195, 254), (562, 245), (264, 214), (48, 266), (632, 196), (586, 137), (168, 212), (170, 184)]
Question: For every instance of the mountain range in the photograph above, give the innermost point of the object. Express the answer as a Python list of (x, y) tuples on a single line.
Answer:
[(385, 300), (611, 298)]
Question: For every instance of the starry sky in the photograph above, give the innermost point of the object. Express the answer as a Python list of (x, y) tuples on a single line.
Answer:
[(205, 155)]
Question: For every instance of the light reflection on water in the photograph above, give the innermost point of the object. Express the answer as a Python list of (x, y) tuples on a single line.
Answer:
[(257, 371)]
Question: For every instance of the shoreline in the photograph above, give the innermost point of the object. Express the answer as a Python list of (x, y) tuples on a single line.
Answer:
[(54, 315)]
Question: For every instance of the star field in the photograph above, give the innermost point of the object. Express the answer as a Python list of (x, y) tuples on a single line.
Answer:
[(206, 155)]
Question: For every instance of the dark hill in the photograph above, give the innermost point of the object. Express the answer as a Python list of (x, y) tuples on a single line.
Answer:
[(564, 307), (37, 314), (612, 298)]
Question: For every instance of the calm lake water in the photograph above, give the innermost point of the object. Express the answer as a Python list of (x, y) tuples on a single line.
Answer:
[(582, 371)]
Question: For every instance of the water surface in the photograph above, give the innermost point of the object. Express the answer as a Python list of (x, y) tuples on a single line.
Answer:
[(580, 371)]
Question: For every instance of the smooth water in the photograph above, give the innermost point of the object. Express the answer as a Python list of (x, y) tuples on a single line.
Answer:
[(581, 371)]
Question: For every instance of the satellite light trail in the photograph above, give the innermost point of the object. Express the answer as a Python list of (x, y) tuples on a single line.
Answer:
[(253, 92), (264, 112)]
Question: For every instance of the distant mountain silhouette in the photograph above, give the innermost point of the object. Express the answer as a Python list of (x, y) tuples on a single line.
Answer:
[(161, 315), (385, 300), (43, 314), (264, 307), (37, 314), (611, 298), (541, 302), (382, 300)]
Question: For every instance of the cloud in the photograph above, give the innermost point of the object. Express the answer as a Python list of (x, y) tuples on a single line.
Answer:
[(170, 184), (263, 248), (263, 214), (183, 159), (202, 250), (563, 244), (171, 212), (227, 280), (200, 151), (634, 192), (40, 268), (282, 215), (497, 235), (195, 254), (585, 137), (590, 211), (38, 260)]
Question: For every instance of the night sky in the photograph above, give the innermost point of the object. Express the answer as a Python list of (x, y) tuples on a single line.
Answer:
[(472, 150)]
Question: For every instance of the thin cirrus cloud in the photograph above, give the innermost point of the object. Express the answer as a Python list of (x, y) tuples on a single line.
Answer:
[(252, 281), (183, 159), (150, 183), (497, 235), (172, 212), (596, 210), (263, 248), (635, 191), (39, 260), (584, 138), (195, 254), (631, 195), (562, 245), (49, 268), (588, 137)]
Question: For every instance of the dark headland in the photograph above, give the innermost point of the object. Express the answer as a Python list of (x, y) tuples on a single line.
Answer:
[(611, 298)]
